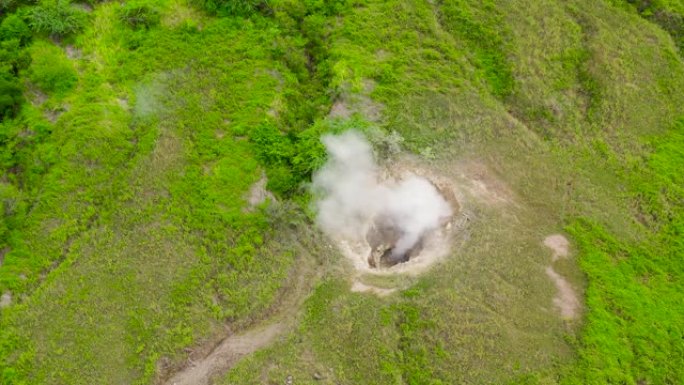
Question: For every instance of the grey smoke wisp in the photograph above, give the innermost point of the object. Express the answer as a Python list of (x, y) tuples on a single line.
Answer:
[(352, 196)]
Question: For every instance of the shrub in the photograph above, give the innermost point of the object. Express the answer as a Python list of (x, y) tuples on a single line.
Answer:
[(6, 5), (57, 19), (50, 69), (13, 27), (139, 16), (235, 7), (10, 96), (12, 57)]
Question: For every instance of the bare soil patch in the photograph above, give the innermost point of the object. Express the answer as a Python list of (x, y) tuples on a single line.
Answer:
[(258, 193), (360, 287), (72, 52), (34, 95), (226, 355), (435, 246), (559, 244), (566, 299), (5, 299)]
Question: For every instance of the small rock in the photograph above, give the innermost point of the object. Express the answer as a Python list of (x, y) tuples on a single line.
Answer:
[(289, 380), (317, 376)]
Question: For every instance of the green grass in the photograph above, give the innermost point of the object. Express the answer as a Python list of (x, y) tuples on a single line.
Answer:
[(633, 286), (138, 221), (125, 175), (570, 138)]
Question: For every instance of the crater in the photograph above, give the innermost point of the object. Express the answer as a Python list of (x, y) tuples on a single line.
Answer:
[(394, 218), (382, 237), (384, 233), (376, 250)]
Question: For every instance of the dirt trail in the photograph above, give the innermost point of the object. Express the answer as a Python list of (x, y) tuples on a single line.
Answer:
[(281, 318), (227, 354)]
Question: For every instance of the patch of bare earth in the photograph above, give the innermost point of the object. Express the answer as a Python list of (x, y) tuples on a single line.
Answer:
[(123, 103), (226, 355), (5, 299), (35, 95), (559, 244), (473, 184), (83, 6), (351, 103), (360, 287), (435, 245), (566, 299), (72, 52), (258, 194), (53, 114)]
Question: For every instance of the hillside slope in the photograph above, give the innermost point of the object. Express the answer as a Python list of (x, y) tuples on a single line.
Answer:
[(133, 241)]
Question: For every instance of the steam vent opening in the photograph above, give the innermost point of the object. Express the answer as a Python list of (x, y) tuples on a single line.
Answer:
[(391, 219), (382, 238), (385, 232)]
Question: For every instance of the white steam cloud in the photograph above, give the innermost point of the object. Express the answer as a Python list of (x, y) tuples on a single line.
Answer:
[(352, 196)]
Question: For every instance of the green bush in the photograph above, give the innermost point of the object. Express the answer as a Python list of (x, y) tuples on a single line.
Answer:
[(13, 27), (6, 5), (12, 57), (10, 205), (14, 35), (10, 96), (235, 7), (57, 19), (139, 16), (50, 69)]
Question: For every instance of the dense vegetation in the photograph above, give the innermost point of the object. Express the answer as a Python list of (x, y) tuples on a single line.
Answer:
[(130, 135)]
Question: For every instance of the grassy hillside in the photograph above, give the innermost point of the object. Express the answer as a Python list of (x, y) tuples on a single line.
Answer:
[(133, 133)]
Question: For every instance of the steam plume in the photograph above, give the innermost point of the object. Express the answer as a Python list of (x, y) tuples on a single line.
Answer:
[(353, 198)]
